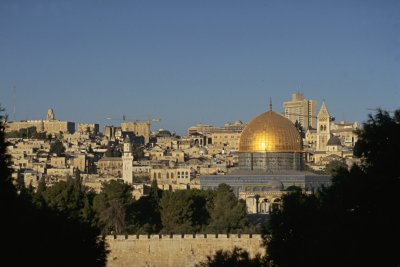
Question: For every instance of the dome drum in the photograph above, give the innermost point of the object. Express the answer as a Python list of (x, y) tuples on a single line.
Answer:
[(271, 161)]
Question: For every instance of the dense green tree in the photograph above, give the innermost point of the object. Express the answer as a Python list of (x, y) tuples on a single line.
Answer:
[(235, 258), (143, 217), (111, 205), (137, 151), (227, 213), (144, 213), (7, 190), (292, 231), (334, 166), (183, 211), (113, 152), (68, 197), (300, 128), (155, 192), (37, 197), (57, 148)]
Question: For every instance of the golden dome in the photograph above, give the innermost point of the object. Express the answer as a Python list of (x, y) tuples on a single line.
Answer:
[(270, 132)]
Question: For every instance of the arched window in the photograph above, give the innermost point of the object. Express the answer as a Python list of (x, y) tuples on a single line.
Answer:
[(179, 174), (172, 175), (155, 176), (167, 175), (159, 175), (186, 175)]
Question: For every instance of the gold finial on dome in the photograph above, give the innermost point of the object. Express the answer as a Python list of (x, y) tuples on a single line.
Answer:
[(270, 104)]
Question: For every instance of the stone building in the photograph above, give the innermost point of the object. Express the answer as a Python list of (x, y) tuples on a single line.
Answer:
[(178, 175), (91, 128), (138, 128), (110, 166), (228, 140), (50, 126)]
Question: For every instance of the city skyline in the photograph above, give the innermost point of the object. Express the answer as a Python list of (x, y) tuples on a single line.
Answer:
[(189, 63)]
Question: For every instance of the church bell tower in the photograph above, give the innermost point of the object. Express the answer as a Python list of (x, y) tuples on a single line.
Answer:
[(323, 128)]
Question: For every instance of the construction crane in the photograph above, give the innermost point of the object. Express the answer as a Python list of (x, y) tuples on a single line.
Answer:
[(381, 109), (150, 120), (111, 120)]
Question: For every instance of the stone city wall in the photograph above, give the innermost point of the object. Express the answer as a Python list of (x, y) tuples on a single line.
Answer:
[(174, 250)]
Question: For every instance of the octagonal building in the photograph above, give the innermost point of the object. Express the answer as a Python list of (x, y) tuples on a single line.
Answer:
[(270, 143)]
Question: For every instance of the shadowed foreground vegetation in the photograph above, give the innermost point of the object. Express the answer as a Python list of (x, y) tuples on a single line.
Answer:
[(37, 235)]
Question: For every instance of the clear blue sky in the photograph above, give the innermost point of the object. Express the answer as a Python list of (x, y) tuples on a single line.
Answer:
[(188, 62)]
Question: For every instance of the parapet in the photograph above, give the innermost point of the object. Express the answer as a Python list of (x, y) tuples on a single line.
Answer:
[(182, 236)]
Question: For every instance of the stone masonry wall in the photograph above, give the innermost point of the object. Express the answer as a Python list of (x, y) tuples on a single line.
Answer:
[(174, 250)]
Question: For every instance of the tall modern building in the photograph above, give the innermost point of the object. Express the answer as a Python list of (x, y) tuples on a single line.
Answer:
[(301, 110)]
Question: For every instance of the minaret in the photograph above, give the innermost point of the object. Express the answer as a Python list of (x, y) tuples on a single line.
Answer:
[(323, 127), (127, 161)]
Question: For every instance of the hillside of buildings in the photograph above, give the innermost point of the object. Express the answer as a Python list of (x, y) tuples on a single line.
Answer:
[(130, 180)]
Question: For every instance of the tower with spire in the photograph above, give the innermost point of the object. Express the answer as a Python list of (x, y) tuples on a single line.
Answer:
[(323, 128), (127, 161)]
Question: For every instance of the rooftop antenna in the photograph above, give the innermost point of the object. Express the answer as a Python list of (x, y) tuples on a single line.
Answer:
[(14, 99)]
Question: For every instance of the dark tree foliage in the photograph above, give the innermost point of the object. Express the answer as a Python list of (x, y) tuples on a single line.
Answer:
[(183, 211), (235, 258), (354, 221), (287, 229), (35, 236), (137, 151), (57, 148), (111, 205), (7, 190), (113, 152), (69, 197), (334, 166), (227, 213), (143, 217), (144, 214), (300, 128)]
